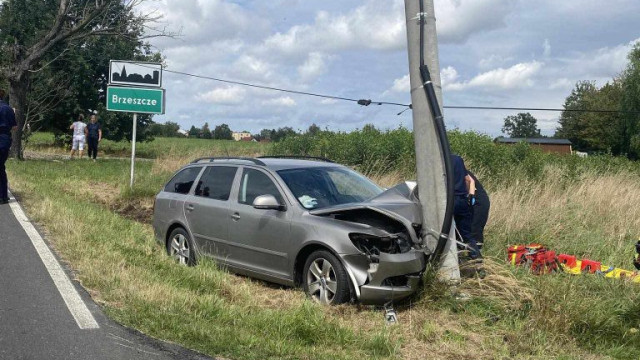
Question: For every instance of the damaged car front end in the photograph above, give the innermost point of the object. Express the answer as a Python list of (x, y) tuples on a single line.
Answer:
[(385, 231)]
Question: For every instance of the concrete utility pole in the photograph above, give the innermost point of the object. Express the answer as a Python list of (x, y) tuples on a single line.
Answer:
[(429, 164)]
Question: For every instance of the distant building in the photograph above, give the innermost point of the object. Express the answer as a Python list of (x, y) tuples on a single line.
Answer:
[(184, 133), (549, 145), (238, 136)]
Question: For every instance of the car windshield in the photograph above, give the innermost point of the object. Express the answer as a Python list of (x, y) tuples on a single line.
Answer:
[(320, 187)]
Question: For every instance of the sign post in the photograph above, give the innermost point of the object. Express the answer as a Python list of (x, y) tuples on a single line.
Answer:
[(135, 88), (133, 148)]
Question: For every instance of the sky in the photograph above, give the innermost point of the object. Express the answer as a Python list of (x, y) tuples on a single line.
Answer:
[(501, 53)]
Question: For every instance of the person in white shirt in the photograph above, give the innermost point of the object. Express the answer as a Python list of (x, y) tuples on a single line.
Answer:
[(79, 135)]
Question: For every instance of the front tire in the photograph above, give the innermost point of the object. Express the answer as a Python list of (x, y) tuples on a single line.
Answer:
[(180, 247), (325, 279)]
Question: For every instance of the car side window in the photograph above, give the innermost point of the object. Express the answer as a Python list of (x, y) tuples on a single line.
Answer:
[(215, 182), (182, 182), (255, 183)]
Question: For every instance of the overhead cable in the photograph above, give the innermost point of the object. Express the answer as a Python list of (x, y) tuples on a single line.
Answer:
[(367, 102)]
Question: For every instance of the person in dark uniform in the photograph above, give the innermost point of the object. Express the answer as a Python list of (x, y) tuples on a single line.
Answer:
[(480, 211), (95, 136), (464, 200), (7, 124)]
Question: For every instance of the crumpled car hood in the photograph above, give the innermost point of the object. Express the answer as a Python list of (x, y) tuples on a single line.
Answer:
[(399, 203)]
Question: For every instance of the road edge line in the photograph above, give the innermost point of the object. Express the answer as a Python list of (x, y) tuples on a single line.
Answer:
[(72, 299)]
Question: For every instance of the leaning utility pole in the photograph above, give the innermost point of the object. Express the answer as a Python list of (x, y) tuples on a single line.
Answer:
[(430, 167)]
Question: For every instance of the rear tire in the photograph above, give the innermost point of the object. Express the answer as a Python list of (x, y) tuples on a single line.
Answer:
[(325, 279), (180, 247)]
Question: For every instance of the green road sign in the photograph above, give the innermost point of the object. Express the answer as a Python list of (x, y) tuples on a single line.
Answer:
[(135, 100)]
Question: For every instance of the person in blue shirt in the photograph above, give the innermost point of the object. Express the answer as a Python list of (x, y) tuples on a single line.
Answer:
[(464, 199), (7, 124)]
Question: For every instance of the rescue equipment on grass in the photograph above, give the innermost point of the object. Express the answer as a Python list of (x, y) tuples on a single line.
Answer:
[(543, 261)]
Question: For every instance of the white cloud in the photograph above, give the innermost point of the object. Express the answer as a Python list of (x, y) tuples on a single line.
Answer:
[(314, 66), (232, 95), (401, 85), (374, 25), (448, 75), (284, 101), (604, 62), (562, 83), (328, 101), (494, 61), (253, 68), (457, 20), (518, 76), (546, 48)]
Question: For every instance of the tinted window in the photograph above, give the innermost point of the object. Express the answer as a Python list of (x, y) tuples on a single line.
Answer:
[(255, 183), (181, 183), (215, 182)]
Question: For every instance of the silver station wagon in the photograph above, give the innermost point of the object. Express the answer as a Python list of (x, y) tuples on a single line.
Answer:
[(295, 221)]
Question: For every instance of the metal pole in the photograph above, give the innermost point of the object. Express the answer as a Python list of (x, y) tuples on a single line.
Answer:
[(429, 165), (133, 147)]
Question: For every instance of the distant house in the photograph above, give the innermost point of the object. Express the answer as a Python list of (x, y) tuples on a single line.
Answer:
[(250, 138), (184, 133), (549, 145), (238, 136)]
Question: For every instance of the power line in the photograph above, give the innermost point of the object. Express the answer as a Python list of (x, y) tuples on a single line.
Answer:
[(539, 109), (363, 102), (367, 102)]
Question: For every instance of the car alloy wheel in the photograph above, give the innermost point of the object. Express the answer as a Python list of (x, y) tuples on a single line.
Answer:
[(179, 247), (325, 279)]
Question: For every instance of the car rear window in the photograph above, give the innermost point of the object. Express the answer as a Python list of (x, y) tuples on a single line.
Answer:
[(182, 182), (216, 182)]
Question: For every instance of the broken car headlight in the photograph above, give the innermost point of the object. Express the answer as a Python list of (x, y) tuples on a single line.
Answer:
[(373, 245)]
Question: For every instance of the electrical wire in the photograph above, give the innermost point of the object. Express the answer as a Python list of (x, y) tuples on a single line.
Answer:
[(367, 102)]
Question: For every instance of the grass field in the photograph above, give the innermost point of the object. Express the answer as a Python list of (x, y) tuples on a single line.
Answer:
[(44, 142), (102, 230)]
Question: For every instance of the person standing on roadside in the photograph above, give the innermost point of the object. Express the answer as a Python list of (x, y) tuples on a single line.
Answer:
[(464, 199), (7, 124), (79, 135), (480, 211), (94, 131)]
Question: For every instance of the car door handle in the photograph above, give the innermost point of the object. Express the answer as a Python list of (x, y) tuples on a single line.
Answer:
[(190, 207), (235, 216)]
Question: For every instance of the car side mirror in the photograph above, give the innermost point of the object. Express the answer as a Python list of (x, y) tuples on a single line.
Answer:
[(267, 202)]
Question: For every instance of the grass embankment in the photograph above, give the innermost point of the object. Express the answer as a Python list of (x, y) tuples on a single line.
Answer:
[(586, 207)]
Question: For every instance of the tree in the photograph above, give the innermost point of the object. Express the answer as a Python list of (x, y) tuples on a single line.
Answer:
[(32, 31), (222, 132), (572, 120), (313, 129), (168, 129), (194, 131), (630, 104), (282, 133), (205, 133), (522, 125), (267, 133)]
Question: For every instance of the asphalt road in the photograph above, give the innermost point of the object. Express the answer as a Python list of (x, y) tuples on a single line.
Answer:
[(36, 323)]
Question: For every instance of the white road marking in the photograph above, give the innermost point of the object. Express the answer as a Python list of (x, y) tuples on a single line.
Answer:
[(72, 299)]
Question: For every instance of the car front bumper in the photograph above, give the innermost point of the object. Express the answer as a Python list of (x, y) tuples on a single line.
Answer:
[(393, 277)]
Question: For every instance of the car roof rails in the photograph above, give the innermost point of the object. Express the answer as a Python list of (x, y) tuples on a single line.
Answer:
[(213, 159), (296, 157)]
